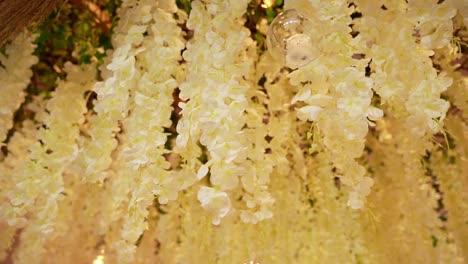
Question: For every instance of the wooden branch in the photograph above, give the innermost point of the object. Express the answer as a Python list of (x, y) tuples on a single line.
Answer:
[(16, 15)]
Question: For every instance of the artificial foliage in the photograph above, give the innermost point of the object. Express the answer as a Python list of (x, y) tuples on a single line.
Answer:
[(163, 131)]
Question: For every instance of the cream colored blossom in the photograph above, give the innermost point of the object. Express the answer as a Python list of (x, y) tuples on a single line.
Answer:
[(433, 20), (338, 94), (216, 203), (14, 77), (113, 93), (140, 169), (39, 179), (215, 90)]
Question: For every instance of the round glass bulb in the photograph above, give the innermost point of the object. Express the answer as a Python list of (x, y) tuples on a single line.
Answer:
[(287, 42)]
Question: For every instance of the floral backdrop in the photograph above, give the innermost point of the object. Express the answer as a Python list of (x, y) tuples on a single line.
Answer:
[(211, 131)]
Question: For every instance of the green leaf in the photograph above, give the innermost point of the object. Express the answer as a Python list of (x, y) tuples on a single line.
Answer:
[(271, 14)]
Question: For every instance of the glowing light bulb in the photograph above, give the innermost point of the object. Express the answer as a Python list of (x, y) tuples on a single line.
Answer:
[(287, 41), (100, 258), (267, 3)]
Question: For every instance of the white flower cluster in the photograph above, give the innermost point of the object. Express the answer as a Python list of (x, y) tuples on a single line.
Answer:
[(15, 72), (142, 171), (113, 94), (215, 91), (78, 185), (453, 181), (410, 89), (407, 81), (39, 179), (433, 21), (450, 59), (402, 185), (336, 92), (260, 161), (18, 147)]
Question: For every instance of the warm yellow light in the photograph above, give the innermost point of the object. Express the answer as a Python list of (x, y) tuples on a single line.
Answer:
[(267, 3), (99, 260)]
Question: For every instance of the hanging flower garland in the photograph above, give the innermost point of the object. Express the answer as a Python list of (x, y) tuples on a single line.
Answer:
[(18, 147), (39, 179), (14, 76), (113, 94), (141, 170), (270, 155), (335, 91), (214, 113), (452, 181)]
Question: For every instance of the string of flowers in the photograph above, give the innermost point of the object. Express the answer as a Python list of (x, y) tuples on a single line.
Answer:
[(18, 147), (38, 182), (336, 91), (214, 113), (450, 166), (412, 233), (112, 106), (77, 208), (15, 73), (281, 156), (449, 59), (448, 162), (119, 181), (142, 171), (301, 199), (112, 103), (409, 89), (259, 164), (417, 97), (305, 181)]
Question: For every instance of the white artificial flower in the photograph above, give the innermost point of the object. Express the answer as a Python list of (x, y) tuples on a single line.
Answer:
[(309, 113), (215, 202)]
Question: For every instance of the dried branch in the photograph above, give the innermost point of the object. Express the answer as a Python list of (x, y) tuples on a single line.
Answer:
[(16, 15)]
